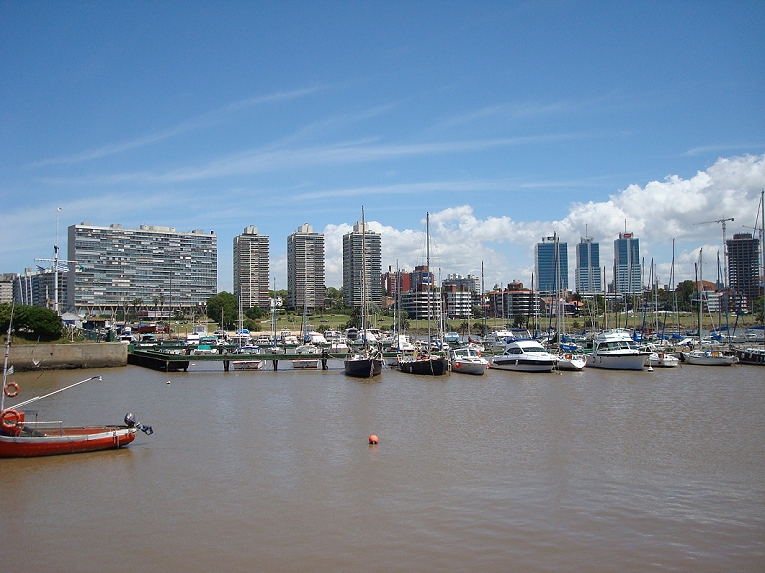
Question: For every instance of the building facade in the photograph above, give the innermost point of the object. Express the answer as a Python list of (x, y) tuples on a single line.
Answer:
[(627, 271), (353, 264), (394, 282), (744, 269), (251, 270), (587, 279), (38, 288), (551, 265), (114, 268), (457, 301), (470, 283), (305, 269)]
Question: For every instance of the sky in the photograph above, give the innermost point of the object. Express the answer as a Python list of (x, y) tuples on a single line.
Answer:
[(505, 121)]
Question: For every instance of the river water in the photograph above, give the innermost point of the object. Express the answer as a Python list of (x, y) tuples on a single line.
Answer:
[(271, 471)]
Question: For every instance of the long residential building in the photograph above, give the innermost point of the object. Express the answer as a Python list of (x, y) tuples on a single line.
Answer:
[(744, 269), (305, 269), (251, 278), (352, 265), (116, 267)]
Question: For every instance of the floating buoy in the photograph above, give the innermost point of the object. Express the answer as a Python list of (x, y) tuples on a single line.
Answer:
[(373, 439), (168, 381)]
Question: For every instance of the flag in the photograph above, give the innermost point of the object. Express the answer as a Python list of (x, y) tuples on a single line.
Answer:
[(10, 370)]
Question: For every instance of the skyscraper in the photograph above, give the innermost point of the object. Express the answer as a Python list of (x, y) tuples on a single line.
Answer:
[(352, 265), (587, 274), (744, 269), (115, 266), (251, 269), (627, 275), (305, 269), (547, 256)]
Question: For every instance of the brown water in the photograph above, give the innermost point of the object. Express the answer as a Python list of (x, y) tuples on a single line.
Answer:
[(263, 471)]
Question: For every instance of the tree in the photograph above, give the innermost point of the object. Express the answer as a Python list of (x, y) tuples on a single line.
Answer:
[(32, 322), (685, 291), (255, 313), (520, 320), (223, 309)]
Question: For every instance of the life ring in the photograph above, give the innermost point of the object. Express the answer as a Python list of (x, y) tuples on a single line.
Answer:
[(11, 393), (10, 418)]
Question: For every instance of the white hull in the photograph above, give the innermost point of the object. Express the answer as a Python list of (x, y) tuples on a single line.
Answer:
[(617, 361), (521, 365), (305, 363), (247, 364), (661, 360), (571, 362), (475, 366), (709, 358)]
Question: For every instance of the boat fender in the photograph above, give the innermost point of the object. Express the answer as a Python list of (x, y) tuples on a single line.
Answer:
[(11, 393)]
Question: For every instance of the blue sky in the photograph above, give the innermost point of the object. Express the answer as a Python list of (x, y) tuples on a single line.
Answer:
[(505, 120)]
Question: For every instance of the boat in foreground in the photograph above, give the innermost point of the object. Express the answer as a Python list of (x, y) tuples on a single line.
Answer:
[(467, 361), (709, 358), (615, 350), (525, 356)]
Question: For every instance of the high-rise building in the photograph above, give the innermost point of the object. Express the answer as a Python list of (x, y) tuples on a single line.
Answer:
[(744, 269), (627, 272), (551, 264), (38, 288), (587, 274), (470, 283), (116, 267), (6, 287), (305, 269), (394, 282), (251, 278), (352, 265)]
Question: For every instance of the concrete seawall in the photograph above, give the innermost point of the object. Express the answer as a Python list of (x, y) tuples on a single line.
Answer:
[(65, 356)]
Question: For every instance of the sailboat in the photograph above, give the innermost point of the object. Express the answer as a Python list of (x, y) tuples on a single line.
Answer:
[(701, 357), (22, 438), (310, 353), (425, 362), (366, 363)]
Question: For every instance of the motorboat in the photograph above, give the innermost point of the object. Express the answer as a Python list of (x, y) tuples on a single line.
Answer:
[(498, 339), (751, 356), (663, 360), (615, 350), (709, 358), (467, 360), (310, 357), (525, 356), (570, 361)]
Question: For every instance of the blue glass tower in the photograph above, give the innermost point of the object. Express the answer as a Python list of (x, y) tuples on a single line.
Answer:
[(547, 255), (587, 275)]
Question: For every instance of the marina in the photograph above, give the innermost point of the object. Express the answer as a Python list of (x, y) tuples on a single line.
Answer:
[(633, 471)]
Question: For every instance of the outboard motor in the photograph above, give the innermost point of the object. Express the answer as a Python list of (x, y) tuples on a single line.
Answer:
[(130, 422)]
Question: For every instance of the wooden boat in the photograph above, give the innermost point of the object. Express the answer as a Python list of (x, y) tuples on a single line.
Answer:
[(424, 364), (364, 365), (22, 438)]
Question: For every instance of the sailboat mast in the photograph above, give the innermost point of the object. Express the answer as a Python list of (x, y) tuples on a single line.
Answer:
[(363, 278), (5, 362), (701, 291), (427, 265)]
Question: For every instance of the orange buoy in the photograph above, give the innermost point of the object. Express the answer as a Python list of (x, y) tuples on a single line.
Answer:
[(373, 439)]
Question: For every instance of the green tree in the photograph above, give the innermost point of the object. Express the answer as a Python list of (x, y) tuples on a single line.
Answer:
[(520, 320), (256, 313), (685, 291), (32, 322), (223, 309)]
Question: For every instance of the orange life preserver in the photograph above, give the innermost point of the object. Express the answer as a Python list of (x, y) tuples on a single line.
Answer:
[(10, 419), (11, 393)]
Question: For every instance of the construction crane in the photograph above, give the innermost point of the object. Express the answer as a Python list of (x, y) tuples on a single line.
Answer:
[(725, 249)]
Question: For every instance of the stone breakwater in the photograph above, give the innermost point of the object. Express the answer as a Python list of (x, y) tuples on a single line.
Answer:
[(67, 356)]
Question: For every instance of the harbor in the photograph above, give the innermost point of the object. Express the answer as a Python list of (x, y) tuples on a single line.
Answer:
[(580, 471)]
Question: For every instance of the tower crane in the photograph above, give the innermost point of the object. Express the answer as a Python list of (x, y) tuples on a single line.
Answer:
[(723, 220)]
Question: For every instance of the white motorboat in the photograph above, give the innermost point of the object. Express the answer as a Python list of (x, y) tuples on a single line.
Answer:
[(570, 361), (312, 356), (467, 361), (247, 364), (615, 350), (663, 360), (525, 356), (709, 358)]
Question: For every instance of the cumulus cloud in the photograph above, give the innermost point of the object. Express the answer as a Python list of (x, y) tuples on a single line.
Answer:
[(657, 213)]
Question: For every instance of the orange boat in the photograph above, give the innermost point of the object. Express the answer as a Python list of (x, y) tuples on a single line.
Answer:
[(19, 439)]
